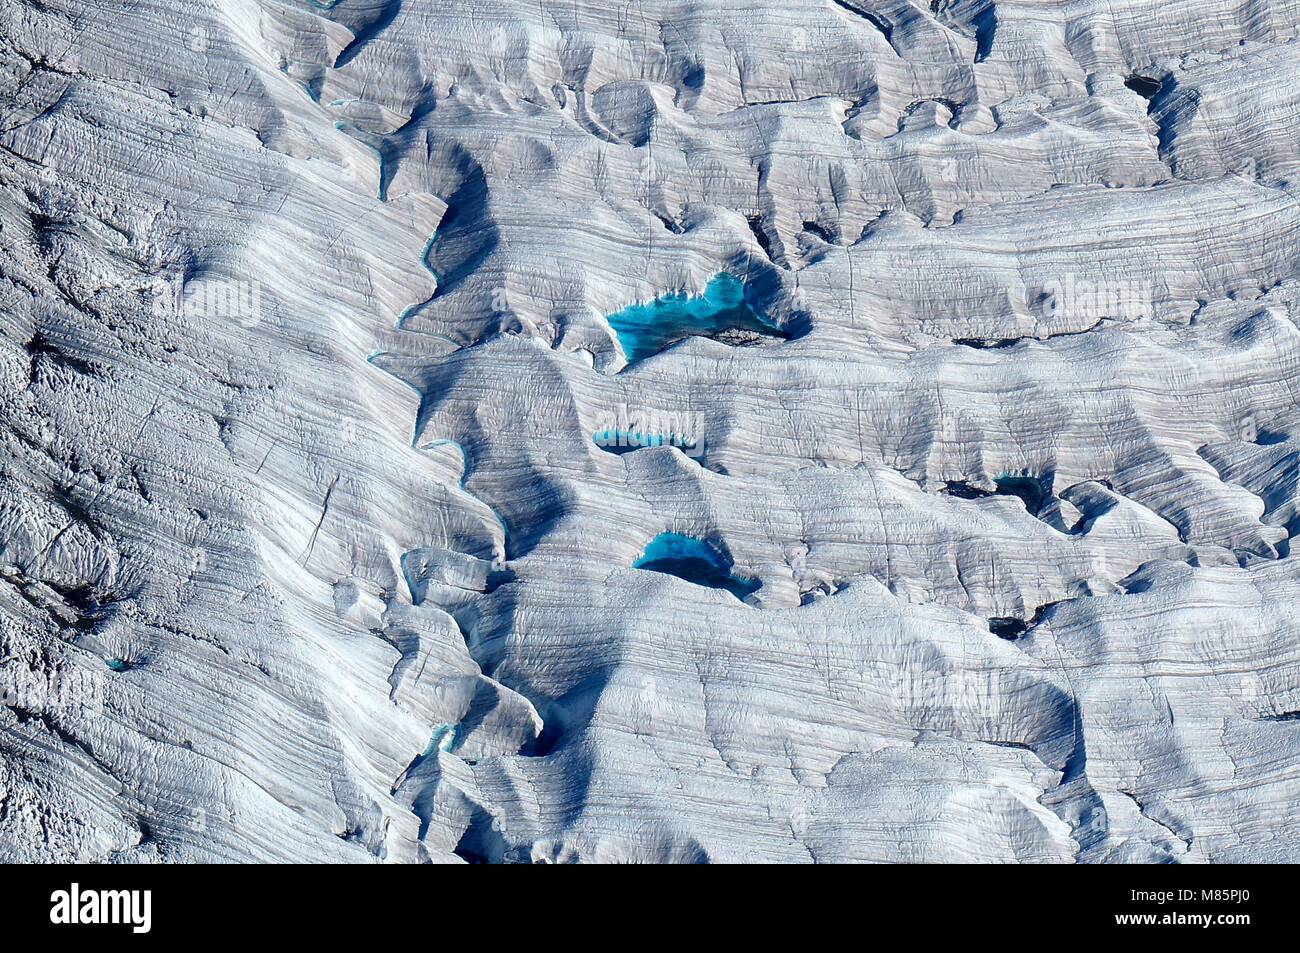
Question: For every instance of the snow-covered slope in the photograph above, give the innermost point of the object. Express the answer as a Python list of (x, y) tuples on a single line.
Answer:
[(682, 430)]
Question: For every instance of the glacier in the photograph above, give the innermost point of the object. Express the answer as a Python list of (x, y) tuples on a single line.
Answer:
[(977, 317)]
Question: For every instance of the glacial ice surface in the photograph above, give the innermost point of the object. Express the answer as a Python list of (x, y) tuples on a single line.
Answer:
[(309, 313)]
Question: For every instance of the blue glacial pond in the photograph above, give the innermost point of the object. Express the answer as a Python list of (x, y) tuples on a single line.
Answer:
[(649, 327), (695, 561), (619, 440)]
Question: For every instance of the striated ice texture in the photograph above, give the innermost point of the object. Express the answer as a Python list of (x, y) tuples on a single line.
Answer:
[(978, 318)]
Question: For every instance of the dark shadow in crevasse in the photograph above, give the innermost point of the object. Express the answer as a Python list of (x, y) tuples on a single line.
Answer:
[(1144, 86)]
